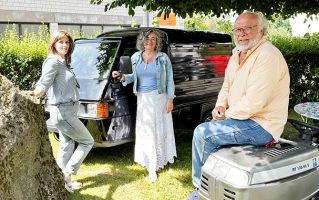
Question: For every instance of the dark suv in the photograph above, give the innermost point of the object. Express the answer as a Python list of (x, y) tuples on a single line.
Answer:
[(108, 109)]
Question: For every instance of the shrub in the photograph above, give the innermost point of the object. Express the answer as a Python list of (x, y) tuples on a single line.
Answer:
[(302, 56), (21, 58)]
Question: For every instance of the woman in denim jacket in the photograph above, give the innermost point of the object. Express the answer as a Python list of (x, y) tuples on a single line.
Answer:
[(153, 85)]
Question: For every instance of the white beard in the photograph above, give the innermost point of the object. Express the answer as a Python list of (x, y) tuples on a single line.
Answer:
[(250, 45)]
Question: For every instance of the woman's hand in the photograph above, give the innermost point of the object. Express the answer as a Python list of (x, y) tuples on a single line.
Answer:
[(218, 113), (29, 92), (117, 75), (38, 92), (169, 105)]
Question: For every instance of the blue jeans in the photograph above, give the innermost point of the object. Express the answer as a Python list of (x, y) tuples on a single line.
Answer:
[(209, 136), (71, 130)]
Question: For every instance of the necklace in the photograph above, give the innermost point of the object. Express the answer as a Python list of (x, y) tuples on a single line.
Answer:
[(148, 59)]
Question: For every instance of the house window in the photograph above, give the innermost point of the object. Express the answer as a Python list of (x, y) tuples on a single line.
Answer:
[(73, 30), (23, 28)]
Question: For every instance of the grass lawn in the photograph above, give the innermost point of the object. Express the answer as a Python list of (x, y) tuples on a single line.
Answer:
[(111, 174)]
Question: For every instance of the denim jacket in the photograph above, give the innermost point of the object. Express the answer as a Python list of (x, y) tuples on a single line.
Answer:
[(164, 74)]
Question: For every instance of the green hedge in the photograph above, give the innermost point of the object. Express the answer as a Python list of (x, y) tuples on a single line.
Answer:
[(302, 56), (21, 60)]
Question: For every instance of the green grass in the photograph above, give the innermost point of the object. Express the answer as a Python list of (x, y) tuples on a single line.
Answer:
[(111, 174)]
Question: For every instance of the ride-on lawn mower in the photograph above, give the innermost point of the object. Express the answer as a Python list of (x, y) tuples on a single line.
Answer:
[(287, 170)]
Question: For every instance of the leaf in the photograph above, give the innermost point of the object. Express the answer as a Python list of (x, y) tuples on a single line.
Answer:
[(285, 8)]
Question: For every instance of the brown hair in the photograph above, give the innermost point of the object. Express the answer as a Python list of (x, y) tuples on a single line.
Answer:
[(55, 37)]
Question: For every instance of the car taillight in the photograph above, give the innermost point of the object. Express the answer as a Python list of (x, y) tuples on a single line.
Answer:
[(102, 110)]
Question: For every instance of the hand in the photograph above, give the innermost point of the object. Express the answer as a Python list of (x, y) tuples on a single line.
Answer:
[(38, 92), (218, 113), (29, 92), (117, 75), (169, 105)]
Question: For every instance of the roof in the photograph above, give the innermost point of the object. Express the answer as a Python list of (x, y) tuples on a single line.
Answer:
[(174, 35)]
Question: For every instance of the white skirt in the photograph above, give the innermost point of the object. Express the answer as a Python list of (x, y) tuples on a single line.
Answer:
[(155, 141)]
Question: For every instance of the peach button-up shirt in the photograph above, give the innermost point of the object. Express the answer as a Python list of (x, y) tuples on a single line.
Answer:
[(257, 88)]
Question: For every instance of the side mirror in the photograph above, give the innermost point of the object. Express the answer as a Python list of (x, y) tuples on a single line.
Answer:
[(125, 65)]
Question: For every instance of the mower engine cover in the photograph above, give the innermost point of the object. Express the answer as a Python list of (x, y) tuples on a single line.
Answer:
[(287, 171)]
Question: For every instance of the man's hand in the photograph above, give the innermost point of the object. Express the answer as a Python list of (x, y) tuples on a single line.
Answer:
[(218, 113)]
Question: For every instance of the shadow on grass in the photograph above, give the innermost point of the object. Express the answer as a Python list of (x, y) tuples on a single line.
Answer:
[(112, 180), (120, 159)]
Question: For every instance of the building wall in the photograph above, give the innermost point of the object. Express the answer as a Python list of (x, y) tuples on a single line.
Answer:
[(64, 11), (77, 12), (77, 15)]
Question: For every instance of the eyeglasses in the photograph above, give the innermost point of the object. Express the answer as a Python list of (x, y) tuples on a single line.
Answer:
[(245, 30)]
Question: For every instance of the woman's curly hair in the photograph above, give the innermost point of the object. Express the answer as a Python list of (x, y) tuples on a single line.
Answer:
[(144, 34)]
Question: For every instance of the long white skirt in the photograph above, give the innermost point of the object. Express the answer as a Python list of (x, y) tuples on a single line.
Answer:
[(155, 141)]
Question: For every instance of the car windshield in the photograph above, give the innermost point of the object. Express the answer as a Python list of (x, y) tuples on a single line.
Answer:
[(93, 59), (91, 64)]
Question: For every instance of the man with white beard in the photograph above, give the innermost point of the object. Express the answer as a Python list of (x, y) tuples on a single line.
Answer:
[(252, 105)]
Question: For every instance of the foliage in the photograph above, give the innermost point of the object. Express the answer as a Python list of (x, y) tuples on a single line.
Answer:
[(224, 26), (301, 55), (21, 58), (199, 22), (208, 23), (278, 26), (286, 8)]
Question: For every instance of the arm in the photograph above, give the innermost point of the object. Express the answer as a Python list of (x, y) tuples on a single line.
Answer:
[(49, 71), (170, 86), (127, 79)]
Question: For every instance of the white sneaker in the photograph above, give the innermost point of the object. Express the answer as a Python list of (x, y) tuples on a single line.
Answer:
[(71, 185), (76, 185), (152, 176), (68, 188), (67, 177)]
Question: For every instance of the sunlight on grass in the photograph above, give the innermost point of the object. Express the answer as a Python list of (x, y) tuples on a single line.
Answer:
[(112, 174)]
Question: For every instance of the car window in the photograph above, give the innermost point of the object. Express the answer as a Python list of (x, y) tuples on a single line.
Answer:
[(93, 60)]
